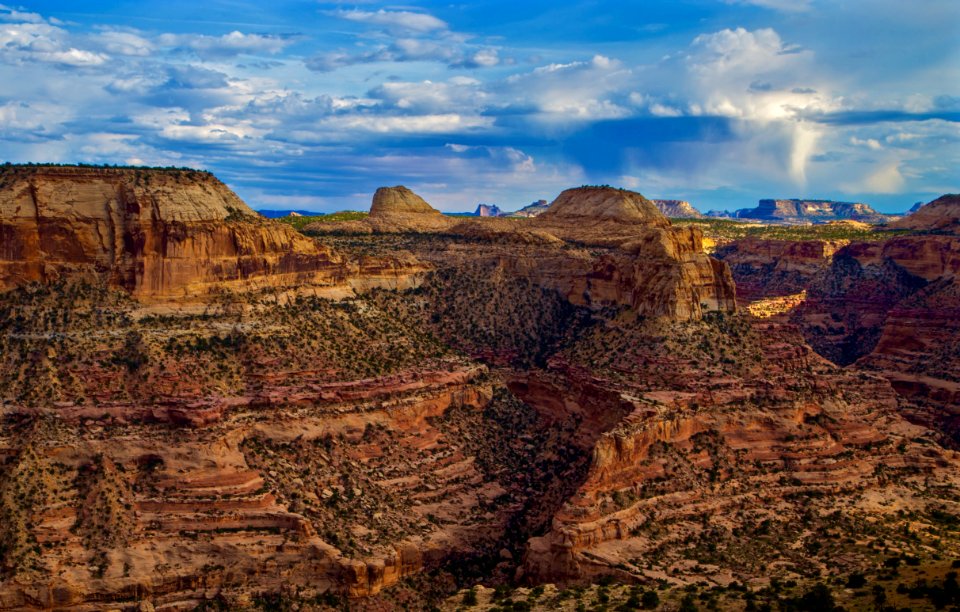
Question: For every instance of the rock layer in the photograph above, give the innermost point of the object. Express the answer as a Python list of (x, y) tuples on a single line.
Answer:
[(160, 234), (764, 268), (600, 205)]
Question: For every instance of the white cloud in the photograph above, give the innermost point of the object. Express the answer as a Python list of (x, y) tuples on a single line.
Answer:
[(402, 21), (486, 58), (885, 179), (573, 91), (228, 45), (126, 43), (870, 143), (446, 123), (404, 36), (41, 42), (11, 14), (456, 94)]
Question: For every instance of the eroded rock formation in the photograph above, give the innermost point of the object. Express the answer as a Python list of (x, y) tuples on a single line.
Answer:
[(162, 235), (396, 209), (556, 399), (766, 268), (677, 209)]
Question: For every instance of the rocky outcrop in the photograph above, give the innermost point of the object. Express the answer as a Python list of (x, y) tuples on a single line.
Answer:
[(159, 234), (891, 307), (646, 263), (398, 209), (677, 209), (764, 268), (799, 211), (594, 206), (940, 215), (488, 210), (532, 210), (573, 392), (649, 257)]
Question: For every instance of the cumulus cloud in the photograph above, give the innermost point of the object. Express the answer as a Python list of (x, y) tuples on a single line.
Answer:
[(32, 41), (445, 123), (427, 96), (122, 42), (578, 90), (731, 110)]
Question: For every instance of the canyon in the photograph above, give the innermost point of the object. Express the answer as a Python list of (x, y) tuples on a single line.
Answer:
[(887, 304), (206, 408)]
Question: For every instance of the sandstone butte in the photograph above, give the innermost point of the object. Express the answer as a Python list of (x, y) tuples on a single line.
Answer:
[(551, 399), (655, 268), (162, 235)]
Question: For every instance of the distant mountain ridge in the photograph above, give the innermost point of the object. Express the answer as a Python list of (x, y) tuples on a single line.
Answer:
[(532, 210), (678, 209), (800, 210)]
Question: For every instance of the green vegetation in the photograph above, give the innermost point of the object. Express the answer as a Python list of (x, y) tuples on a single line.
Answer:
[(8, 166), (53, 337), (504, 320), (300, 223), (726, 230)]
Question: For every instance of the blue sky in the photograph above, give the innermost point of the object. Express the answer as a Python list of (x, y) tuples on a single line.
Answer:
[(313, 105)]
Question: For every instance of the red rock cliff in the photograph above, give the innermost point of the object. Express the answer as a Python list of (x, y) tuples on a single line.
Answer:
[(156, 233)]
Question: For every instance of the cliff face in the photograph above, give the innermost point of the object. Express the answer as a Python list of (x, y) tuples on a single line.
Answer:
[(677, 209), (653, 267), (569, 397), (765, 268), (158, 234), (701, 454), (532, 210), (847, 306), (597, 246), (488, 210)]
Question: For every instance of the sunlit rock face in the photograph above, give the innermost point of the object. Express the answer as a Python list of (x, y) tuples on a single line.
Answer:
[(159, 234), (400, 209)]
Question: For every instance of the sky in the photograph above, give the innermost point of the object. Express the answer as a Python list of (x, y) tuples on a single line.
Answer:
[(313, 105)]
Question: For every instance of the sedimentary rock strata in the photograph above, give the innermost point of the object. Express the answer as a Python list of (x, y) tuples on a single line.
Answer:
[(554, 398), (160, 234), (764, 268)]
